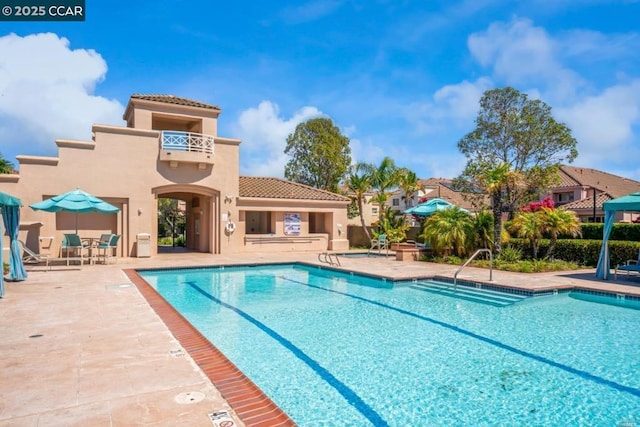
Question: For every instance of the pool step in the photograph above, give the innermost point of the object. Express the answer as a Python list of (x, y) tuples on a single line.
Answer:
[(481, 295)]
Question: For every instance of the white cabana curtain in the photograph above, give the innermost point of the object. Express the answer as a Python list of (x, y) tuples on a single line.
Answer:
[(630, 202), (603, 270)]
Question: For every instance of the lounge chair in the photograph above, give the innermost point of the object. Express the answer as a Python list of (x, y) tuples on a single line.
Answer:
[(107, 246), (379, 243), (630, 266), (30, 257), (73, 243)]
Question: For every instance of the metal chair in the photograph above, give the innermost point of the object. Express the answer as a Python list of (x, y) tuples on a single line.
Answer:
[(73, 243), (108, 248)]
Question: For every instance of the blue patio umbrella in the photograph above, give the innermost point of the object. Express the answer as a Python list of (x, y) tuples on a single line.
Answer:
[(76, 201), (11, 218), (430, 206)]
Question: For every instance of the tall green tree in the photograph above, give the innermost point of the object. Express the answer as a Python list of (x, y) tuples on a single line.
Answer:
[(514, 137), (319, 155), (5, 165)]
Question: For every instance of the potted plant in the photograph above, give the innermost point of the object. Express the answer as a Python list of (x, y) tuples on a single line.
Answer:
[(5, 267)]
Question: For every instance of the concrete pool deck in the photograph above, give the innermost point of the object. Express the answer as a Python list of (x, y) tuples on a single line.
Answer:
[(82, 346)]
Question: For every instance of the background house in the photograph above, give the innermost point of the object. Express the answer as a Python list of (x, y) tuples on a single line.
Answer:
[(575, 191), (370, 211), (584, 190)]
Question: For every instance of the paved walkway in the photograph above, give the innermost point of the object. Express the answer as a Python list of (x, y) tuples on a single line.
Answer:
[(81, 346)]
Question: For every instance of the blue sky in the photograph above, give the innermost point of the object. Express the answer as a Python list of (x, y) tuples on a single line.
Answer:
[(400, 78)]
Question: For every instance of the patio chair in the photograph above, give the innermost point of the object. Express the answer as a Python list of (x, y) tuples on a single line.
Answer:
[(379, 243), (422, 246), (630, 266), (73, 243), (30, 257), (108, 247)]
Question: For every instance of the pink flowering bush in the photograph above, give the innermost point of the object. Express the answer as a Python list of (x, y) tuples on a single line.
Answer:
[(535, 206)]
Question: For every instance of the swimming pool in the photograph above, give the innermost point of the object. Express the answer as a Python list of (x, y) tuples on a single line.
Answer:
[(338, 349)]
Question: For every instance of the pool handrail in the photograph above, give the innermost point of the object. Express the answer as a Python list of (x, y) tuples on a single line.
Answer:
[(455, 276), (328, 258)]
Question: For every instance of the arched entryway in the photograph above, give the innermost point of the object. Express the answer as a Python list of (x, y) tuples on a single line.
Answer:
[(201, 207)]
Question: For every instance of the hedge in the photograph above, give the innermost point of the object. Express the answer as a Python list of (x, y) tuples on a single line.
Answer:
[(620, 231), (581, 251)]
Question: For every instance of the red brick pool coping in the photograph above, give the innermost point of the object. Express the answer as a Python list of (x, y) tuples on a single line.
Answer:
[(250, 403)]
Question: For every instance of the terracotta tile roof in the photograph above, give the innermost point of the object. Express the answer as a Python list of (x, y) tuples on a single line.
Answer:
[(587, 203), (176, 100), (615, 186), (444, 191), (566, 180), (276, 188)]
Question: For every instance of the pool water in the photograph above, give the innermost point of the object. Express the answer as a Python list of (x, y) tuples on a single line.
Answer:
[(337, 349)]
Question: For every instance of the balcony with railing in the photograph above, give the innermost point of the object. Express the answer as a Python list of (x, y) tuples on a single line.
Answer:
[(186, 147)]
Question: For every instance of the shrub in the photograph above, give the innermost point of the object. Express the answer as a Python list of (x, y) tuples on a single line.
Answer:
[(528, 266), (510, 254), (620, 231), (584, 252)]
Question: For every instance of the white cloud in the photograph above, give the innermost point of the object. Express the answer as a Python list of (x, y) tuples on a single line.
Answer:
[(46, 92), (366, 151), (460, 101), (264, 133), (451, 106), (520, 53), (604, 124)]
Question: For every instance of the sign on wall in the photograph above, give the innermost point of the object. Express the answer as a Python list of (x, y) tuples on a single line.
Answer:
[(291, 224)]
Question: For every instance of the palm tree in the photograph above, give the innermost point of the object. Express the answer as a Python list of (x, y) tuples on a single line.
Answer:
[(5, 165), (452, 227), (557, 222), (408, 183), (359, 183), (384, 177), (483, 227), (529, 225), (494, 181)]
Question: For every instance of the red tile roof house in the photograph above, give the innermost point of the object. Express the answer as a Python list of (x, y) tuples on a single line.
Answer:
[(170, 148), (578, 185)]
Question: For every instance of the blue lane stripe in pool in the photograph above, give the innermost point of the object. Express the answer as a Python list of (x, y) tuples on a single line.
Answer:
[(583, 374), (350, 396)]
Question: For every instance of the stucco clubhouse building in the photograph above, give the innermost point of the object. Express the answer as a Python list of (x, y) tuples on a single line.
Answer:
[(170, 148)]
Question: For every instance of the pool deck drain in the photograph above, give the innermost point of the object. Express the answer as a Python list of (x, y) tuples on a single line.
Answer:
[(189, 397)]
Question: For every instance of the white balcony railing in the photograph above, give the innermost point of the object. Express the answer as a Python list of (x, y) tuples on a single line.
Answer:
[(186, 141)]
